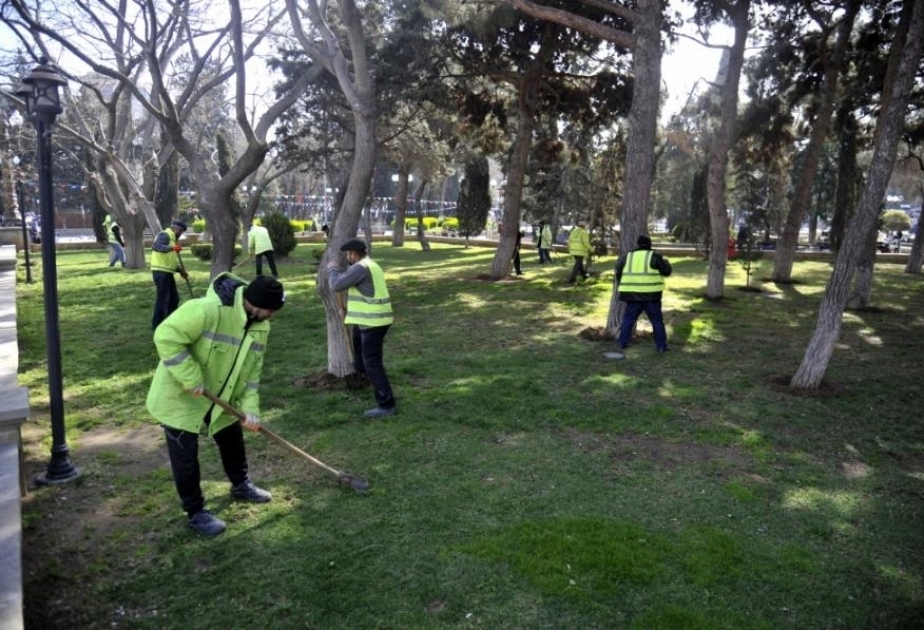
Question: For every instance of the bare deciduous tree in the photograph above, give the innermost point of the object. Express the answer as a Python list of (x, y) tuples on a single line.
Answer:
[(136, 45)]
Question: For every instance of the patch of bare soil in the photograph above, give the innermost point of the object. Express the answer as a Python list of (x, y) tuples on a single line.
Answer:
[(325, 381), (69, 529), (826, 389), (661, 453)]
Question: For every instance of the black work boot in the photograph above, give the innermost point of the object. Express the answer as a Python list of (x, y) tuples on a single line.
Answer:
[(247, 491), (206, 524)]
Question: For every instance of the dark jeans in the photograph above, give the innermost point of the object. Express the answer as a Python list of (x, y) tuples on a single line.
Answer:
[(271, 261), (653, 311), (168, 298), (183, 447), (578, 269), (545, 256), (367, 359), (516, 262)]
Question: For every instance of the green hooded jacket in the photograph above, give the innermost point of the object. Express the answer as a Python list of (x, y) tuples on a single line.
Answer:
[(207, 342)]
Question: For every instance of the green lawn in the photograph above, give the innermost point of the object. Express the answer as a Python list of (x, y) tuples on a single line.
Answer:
[(526, 482)]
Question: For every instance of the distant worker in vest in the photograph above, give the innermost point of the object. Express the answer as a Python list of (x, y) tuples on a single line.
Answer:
[(114, 241), (545, 243), (640, 275), (261, 246), (216, 343), (165, 262), (369, 312), (579, 248)]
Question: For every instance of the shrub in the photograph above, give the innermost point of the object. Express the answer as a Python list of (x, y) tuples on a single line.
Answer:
[(302, 226), (204, 251), (198, 226), (281, 233), (451, 223)]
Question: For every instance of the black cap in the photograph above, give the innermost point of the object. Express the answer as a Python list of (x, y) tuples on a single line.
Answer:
[(354, 245), (644, 241), (265, 292), (178, 223)]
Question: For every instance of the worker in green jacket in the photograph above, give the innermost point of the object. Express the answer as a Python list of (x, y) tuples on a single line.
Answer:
[(261, 246), (579, 248), (215, 343)]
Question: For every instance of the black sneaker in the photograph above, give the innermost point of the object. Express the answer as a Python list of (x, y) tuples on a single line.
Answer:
[(247, 491), (380, 412), (205, 524)]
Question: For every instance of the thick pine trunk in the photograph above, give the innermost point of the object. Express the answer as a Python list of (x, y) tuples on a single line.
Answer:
[(397, 237), (718, 158), (516, 165), (789, 240), (641, 138)]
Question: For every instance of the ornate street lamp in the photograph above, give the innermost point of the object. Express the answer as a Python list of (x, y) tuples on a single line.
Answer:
[(39, 90), (20, 200)]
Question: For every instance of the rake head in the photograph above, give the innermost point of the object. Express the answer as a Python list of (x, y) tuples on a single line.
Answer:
[(356, 483)]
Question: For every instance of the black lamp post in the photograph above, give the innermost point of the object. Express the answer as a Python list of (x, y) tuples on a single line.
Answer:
[(22, 215), (40, 91)]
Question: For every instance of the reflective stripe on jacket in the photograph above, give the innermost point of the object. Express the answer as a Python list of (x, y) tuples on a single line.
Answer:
[(366, 310), (207, 343), (638, 276), (165, 261)]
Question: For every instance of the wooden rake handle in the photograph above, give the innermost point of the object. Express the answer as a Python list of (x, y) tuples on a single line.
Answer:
[(237, 413)]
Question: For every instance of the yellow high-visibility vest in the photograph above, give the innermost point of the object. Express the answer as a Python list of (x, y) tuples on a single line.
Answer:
[(374, 310), (638, 276)]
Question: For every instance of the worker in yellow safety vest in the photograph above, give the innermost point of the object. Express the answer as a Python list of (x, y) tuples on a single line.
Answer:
[(640, 275), (579, 248), (165, 262), (369, 312)]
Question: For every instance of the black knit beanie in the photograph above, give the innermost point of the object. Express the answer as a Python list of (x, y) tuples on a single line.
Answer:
[(266, 292)]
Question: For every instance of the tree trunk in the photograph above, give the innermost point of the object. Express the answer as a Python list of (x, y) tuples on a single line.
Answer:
[(528, 92), (846, 191), (863, 277), (789, 240), (718, 158), (397, 237), (421, 232), (133, 227), (904, 56), (346, 219), (640, 139)]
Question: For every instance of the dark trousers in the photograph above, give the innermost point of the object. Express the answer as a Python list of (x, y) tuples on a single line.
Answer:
[(270, 260), (578, 269), (367, 359), (545, 256), (168, 298), (183, 447), (516, 261), (653, 311)]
